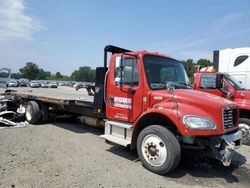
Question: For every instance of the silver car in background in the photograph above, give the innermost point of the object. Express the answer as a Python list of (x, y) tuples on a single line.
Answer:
[(53, 85), (44, 84), (34, 84), (13, 83)]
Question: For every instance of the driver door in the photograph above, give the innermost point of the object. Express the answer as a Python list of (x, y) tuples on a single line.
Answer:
[(124, 94)]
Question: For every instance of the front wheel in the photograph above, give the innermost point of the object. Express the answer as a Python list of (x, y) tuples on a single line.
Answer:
[(158, 149)]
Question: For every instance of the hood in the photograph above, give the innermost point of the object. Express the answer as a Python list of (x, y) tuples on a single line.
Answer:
[(192, 97), (185, 102), (191, 102)]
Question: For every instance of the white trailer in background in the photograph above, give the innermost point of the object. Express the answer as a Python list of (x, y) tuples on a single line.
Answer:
[(4, 77), (235, 62)]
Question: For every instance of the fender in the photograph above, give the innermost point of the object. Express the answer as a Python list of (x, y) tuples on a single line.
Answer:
[(169, 115)]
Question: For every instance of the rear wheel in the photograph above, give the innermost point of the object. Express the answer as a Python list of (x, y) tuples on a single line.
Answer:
[(158, 149), (32, 112)]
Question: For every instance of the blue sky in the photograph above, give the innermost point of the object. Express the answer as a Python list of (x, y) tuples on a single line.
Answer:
[(63, 35)]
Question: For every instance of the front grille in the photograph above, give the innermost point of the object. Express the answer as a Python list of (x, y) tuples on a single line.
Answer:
[(229, 118)]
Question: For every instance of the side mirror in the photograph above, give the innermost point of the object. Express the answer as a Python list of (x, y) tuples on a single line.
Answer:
[(219, 81), (119, 70), (230, 95)]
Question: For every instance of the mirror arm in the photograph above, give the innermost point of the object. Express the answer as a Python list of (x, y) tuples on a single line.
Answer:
[(121, 70), (132, 74)]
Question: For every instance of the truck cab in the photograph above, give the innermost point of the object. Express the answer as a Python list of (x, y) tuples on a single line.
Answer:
[(231, 89), (150, 106)]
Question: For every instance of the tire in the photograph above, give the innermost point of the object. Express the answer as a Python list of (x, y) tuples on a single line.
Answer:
[(44, 112), (244, 122), (158, 149), (32, 112)]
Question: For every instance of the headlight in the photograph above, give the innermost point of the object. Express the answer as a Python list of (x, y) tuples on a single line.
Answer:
[(195, 122)]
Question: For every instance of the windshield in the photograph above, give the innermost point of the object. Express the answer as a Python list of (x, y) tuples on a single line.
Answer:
[(160, 70), (235, 83)]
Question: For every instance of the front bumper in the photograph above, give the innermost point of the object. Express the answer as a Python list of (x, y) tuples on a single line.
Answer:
[(221, 147), (226, 147)]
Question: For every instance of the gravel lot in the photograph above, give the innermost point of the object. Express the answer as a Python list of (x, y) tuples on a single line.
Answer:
[(68, 154), (65, 153)]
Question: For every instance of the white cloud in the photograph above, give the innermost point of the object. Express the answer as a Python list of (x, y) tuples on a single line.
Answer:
[(229, 20), (217, 35), (15, 23)]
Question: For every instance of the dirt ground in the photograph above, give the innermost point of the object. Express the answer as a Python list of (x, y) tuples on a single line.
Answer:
[(65, 153), (68, 154)]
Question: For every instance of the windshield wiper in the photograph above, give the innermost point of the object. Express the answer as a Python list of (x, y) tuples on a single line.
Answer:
[(184, 83)]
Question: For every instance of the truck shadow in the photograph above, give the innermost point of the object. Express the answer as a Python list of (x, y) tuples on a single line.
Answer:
[(197, 169), (192, 168), (123, 152), (75, 126), (195, 166)]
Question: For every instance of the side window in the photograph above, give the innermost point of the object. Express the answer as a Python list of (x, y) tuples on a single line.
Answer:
[(224, 87), (208, 81), (240, 60), (130, 73)]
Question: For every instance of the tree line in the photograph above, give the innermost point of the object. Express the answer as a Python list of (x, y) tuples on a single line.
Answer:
[(192, 67), (32, 71)]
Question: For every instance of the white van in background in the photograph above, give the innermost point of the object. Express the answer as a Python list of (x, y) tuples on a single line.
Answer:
[(235, 62), (4, 77)]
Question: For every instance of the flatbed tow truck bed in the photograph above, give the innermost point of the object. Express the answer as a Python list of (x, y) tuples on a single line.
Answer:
[(64, 98), (60, 96)]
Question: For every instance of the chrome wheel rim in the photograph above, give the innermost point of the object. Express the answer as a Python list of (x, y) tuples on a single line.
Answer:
[(244, 125), (28, 113), (154, 150)]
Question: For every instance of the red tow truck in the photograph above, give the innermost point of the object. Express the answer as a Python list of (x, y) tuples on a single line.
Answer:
[(230, 89), (145, 102)]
